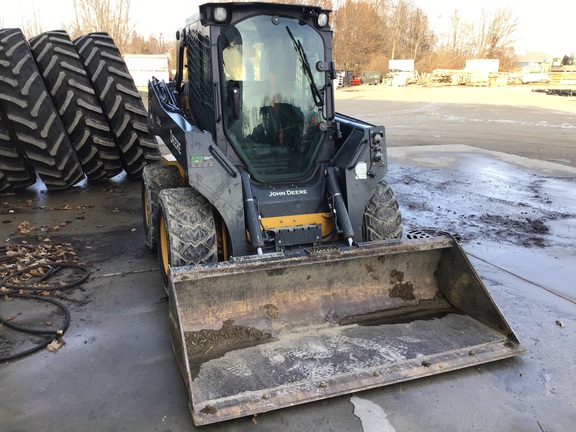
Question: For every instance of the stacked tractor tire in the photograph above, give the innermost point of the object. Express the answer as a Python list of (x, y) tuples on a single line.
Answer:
[(69, 111)]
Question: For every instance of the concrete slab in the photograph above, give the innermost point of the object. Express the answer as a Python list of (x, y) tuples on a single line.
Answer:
[(517, 221)]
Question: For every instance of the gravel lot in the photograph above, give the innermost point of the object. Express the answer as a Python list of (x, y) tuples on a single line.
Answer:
[(514, 119)]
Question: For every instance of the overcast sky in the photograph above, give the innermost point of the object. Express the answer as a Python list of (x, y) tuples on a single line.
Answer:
[(545, 26)]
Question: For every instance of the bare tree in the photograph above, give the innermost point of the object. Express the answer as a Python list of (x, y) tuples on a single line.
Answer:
[(490, 36), (419, 37), (31, 27), (110, 16), (409, 31), (459, 39), (383, 7), (154, 45), (325, 4), (357, 35), (495, 33), (398, 20)]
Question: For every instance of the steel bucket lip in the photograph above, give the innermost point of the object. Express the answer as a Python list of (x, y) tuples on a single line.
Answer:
[(255, 401)]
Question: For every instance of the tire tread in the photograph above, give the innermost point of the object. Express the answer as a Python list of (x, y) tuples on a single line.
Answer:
[(33, 121), (77, 104), (116, 90)]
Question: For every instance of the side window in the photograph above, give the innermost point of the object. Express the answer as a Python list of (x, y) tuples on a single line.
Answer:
[(200, 76)]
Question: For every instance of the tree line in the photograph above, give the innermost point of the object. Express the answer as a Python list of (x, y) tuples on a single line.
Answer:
[(367, 33)]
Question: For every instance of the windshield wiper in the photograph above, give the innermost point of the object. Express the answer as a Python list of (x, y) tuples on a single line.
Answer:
[(316, 95)]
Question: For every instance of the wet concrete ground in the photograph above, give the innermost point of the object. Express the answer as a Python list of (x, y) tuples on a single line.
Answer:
[(517, 221)]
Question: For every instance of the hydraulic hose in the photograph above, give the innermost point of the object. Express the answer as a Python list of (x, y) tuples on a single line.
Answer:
[(54, 268), (51, 334), (80, 273)]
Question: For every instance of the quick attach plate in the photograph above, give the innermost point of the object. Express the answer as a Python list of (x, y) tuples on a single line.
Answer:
[(300, 235)]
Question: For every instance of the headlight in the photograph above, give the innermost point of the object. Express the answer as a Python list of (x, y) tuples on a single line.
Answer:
[(220, 14), (322, 19)]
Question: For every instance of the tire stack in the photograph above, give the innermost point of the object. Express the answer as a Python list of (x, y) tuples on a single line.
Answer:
[(69, 110)]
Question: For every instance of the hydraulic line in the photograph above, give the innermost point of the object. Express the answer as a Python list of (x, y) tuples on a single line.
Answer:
[(54, 268), (51, 335)]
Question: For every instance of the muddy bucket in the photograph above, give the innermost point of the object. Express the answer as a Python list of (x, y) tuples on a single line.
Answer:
[(254, 335)]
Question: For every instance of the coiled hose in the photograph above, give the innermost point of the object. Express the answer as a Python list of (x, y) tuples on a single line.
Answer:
[(12, 289)]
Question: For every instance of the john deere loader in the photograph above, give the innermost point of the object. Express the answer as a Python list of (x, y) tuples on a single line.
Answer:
[(280, 244)]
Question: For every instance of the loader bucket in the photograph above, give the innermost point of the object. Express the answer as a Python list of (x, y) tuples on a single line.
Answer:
[(254, 335)]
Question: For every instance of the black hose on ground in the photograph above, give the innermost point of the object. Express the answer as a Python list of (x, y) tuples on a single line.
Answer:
[(52, 335), (13, 290), (54, 268)]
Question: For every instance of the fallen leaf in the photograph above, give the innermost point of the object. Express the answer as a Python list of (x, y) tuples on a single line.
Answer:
[(25, 228), (38, 271), (55, 345)]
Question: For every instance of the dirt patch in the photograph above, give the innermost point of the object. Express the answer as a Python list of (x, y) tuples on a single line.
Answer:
[(404, 291), (205, 345), (529, 232), (400, 289)]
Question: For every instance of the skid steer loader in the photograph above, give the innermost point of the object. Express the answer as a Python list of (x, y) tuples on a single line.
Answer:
[(279, 243)]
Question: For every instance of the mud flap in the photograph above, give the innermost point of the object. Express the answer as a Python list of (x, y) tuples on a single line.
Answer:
[(254, 335)]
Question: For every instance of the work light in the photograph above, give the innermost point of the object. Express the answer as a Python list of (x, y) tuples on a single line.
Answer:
[(322, 19), (220, 14)]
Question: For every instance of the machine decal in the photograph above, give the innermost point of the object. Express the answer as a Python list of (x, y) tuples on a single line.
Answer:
[(201, 161), (289, 192), (361, 171)]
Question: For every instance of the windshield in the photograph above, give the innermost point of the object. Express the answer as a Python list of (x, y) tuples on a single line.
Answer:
[(271, 116)]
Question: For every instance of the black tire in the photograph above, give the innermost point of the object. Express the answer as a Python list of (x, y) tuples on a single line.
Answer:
[(32, 119), (155, 178), (76, 101), (120, 100), (15, 170), (186, 233), (382, 218)]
